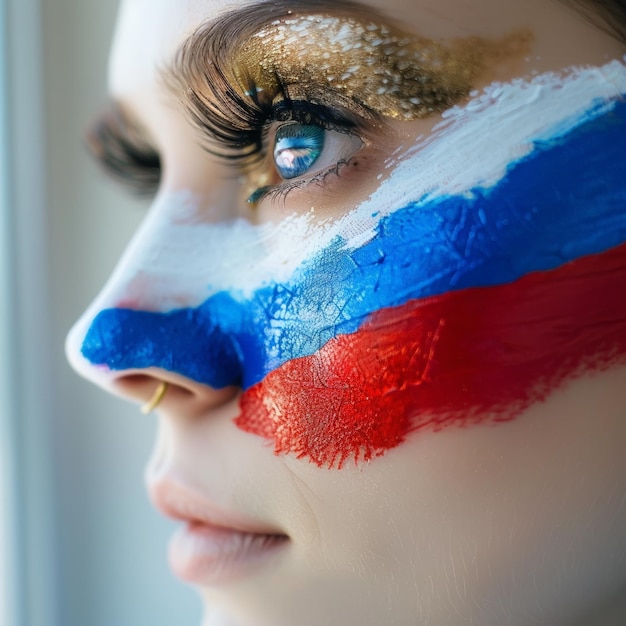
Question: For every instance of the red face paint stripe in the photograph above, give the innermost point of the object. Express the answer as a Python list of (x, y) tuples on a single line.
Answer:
[(465, 357)]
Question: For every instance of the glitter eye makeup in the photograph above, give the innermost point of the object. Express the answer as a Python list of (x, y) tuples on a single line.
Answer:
[(340, 69), (395, 74)]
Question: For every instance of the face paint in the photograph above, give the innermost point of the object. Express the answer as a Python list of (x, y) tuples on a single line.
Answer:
[(463, 290), (461, 358)]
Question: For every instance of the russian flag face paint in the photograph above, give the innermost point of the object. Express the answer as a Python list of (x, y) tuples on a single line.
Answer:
[(486, 270)]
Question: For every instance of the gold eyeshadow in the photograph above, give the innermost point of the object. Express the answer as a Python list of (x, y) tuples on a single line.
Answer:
[(394, 74)]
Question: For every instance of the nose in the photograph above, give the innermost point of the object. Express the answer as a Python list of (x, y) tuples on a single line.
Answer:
[(164, 315)]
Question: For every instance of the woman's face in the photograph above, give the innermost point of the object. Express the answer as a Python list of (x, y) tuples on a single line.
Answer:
[(383, 276)]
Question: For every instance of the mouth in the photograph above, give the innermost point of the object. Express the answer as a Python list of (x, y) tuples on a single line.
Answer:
[(212, 547)]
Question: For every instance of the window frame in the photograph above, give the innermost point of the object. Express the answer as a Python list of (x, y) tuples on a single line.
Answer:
[(27, 559)]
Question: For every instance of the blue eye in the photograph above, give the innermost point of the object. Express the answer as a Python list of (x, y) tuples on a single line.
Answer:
[(296, 148)]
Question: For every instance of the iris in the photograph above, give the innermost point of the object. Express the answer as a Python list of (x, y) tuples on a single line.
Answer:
[(296, 148)]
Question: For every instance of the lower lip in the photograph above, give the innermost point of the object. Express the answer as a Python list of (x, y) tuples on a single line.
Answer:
[(207, 555)]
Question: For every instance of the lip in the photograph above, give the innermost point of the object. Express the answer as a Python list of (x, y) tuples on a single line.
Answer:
[(212, 546)]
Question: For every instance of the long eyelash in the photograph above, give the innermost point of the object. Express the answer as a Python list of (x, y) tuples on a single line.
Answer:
[(123, 155), (228, 121)]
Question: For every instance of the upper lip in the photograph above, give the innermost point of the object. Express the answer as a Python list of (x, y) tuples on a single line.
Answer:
[(179, 502)]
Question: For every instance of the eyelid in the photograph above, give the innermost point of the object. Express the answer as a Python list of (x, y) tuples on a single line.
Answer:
[(123, 154)]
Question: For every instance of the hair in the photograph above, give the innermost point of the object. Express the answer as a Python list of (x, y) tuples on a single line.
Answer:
[(609, 15)]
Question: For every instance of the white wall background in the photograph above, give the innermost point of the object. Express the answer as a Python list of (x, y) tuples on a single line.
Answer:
[(111, 544), (90, 550)]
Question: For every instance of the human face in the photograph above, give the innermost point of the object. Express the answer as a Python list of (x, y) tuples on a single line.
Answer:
[(394, 341)]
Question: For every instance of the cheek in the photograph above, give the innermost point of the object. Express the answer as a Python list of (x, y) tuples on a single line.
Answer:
[(456, 359), (463, 308)]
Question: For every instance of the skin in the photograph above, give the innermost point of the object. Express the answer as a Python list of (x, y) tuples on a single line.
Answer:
[(515, 524)]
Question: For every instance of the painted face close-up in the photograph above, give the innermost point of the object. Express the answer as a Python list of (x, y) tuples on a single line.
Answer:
[(377, 304)]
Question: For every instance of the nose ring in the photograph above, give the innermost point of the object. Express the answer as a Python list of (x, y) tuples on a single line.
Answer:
[(152, 404)]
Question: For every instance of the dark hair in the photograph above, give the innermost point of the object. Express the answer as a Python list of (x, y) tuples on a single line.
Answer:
[(609, 15)]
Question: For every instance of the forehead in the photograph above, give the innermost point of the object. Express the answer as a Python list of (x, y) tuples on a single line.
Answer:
[(147, 35)]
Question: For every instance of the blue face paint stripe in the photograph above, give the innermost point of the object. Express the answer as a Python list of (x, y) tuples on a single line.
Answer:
[(565, 200)]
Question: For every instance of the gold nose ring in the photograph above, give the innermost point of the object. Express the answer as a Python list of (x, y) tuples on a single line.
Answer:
[(152, 404)]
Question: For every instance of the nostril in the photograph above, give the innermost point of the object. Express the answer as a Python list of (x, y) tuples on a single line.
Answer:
[(138, 385), (179, 391), (144, 388)]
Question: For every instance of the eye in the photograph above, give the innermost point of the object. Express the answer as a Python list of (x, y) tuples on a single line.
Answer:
[(305, 149), (297, 148)]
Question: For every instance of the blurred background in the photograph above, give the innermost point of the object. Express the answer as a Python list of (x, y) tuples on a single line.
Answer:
[(79, 543)]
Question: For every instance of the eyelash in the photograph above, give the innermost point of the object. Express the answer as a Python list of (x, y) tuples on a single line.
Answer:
[(282, 190), (123, 155)]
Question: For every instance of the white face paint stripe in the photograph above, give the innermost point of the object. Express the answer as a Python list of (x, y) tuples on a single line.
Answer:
[(474, 144), (171, 264)]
